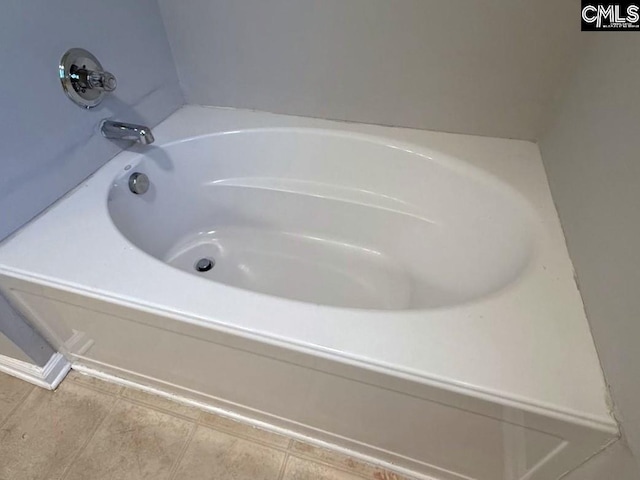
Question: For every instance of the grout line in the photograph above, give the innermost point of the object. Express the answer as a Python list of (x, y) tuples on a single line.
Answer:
[(174, 468), (241, 436), (283, 467), (75, 456), (326, 463), (302, 455), (95, 388), (166, 411), (345, 469), (17, 405)]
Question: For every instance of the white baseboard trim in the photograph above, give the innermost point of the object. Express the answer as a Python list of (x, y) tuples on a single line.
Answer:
[(48, 377)]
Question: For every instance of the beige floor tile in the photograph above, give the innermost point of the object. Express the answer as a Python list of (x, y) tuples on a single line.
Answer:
[(93, 382), (214, 455), (40, 438), (299, 469), (12, 391), (141, 438), (162, 403), (133, 442), (344, 461), (244, 430)]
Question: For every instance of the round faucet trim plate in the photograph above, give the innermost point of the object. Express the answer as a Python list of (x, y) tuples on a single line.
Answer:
[(83, 79)]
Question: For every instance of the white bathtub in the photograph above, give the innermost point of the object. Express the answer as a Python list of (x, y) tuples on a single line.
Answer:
[(406, 295), (331, 218)]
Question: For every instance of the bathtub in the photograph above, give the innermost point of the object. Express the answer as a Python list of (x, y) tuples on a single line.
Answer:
[(404, 295)]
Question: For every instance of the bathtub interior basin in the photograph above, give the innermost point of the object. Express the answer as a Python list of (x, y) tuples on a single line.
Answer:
[(325, 217)]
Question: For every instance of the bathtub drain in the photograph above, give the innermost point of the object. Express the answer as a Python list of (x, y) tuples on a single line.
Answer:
[(204, 264)]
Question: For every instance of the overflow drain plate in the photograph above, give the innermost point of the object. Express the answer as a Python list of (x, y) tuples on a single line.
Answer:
[(204, 264)]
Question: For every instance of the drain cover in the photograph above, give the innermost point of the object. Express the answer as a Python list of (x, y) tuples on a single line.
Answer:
[(204, 264)]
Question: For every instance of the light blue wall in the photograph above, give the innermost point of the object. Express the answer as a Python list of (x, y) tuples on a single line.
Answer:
[(48, 144)]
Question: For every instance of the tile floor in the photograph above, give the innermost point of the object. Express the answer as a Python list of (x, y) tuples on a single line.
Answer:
[(89, 429)]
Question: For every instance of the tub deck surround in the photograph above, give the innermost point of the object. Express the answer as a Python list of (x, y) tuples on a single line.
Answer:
[(516, 348)]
